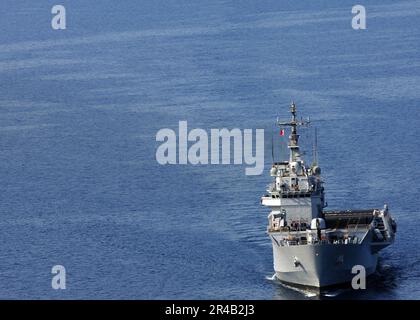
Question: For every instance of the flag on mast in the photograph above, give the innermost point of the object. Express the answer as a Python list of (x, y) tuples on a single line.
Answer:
[(282, 132)]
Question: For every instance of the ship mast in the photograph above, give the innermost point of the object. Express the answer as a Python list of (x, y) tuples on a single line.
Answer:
[(315, 149), (294, 136)]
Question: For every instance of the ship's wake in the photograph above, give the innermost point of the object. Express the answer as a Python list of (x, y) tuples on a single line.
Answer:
[(272, 278), (308, 292)]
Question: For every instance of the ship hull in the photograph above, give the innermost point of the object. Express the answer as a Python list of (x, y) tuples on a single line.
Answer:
[(322, 265)]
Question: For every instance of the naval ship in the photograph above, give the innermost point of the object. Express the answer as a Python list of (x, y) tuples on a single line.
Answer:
[(313, 247)]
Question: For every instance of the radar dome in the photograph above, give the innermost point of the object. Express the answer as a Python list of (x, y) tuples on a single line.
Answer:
[(320, 223), (273, 171), (316, 170)]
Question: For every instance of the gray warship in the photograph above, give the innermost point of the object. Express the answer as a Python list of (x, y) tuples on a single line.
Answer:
[(313, 247)]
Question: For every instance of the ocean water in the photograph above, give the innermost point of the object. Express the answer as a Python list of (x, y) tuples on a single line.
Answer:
[(80, 109)]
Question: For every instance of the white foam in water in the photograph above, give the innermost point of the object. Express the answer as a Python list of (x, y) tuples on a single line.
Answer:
[(336, 292), (306, 292), (332, 294), (272, 278)]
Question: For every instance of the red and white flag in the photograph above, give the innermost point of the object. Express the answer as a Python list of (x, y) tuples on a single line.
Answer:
[(282, 132)]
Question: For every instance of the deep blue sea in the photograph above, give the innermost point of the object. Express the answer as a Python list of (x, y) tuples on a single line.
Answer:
[(80, 109)]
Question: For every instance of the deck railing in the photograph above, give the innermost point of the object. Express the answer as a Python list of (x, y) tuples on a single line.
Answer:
[(311, 237)]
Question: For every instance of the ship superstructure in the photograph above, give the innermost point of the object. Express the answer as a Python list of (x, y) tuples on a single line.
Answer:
[(312, 246)]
